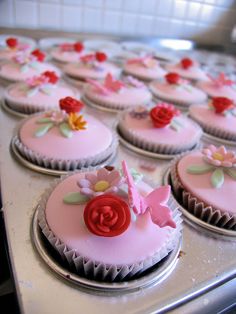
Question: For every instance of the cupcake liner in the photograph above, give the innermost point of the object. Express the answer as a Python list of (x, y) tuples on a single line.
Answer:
[(100, 271), (197, 207), (27, 107), (167, 149), (61, 164), (216, 131)]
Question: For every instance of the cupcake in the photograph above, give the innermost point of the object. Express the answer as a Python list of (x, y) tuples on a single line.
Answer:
[(218, 118), (177, 91), (25, 65), (67, 52), (64, 139), (91, 66), (161, 130), (144, 68), (109, 225), (38, 93), (205, 184), (219, 86), (12, 46), (188, 69), (117, 94)]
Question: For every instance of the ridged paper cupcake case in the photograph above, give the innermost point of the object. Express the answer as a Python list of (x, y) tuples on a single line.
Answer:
[(141, 77), (27, 107), (168, 149), (217, 132), (84, 266), (197, 207)]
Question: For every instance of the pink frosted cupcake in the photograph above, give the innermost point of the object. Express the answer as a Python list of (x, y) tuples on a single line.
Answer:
[(112, 211), (67, 52), (91, 66), (162, 130), (177, 91), (115, 94), (188, 69), (205, 184), (38, 93), (145, 68), (12, 46), (218, 118), (220, 86), (25, 65), (65, 140)]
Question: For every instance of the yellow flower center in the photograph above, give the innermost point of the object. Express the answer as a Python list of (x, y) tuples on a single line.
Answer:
[(101, 186), (218, 156)]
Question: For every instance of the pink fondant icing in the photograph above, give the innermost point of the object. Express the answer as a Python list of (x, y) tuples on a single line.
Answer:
[(213, 91), (18, 93), (7, 54), (141, 240), (126, 97), (83, 144), (193, 73), (140, 71), (202, 113), (81, 71), (199, 185), (184, 93), (11, 71), (64, 56)]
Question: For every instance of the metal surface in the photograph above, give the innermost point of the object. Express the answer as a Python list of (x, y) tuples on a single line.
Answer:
[(12, 112), (149, 280), (227, 234), (52, 172), (219, 141)]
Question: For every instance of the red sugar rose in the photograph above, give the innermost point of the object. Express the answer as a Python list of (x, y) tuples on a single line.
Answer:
[(38, 54), (107, 215), (172, 78), (78, 46), (100, 56), (52, 77), (12, 42), (70, 104), (186, 63), (162, 115), (222, 104)]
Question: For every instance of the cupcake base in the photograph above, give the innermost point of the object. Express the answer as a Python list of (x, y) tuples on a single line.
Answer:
[(9, 110)]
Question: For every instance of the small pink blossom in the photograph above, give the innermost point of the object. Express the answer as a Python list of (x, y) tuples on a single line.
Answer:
[(37, 81), (23, 58), (130, 80), (56, 116), (219, 156), (147, 61), (221, 80)]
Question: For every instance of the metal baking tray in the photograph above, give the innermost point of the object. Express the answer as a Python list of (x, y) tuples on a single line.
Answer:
[(150, 279), (225, 233)]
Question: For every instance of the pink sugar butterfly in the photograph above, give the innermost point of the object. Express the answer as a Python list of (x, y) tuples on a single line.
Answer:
[(221, 80), (99, 87), (154, 202), (113, 84)]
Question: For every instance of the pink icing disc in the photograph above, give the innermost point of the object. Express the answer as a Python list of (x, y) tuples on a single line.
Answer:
[(213, 91), (192, 73), (143, 72)]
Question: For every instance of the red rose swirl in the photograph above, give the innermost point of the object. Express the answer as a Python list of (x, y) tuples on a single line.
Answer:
[(12, 42), (100, 56), (38, 54), (172, 78), (163, 114), (186, 63), (107, 215), (222, 104), (52, 77), (70, 104)]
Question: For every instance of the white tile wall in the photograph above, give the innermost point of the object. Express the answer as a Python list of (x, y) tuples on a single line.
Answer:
[(208, 21)]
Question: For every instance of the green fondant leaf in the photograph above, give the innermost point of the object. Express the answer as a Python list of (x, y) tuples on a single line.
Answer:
[(233, 112), (188, 88), (199, 169), (75, 198), (34, 65), (46, 90), (136, 175), (217, 178), (43, 129), (65, 130), (175, 126), (44, 120), (231, 172), (24, 68), (31, 92)]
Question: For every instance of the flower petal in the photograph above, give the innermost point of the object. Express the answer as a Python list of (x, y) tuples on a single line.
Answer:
[(91, 177), (227, 164), (114, 176), (102, 174), (84, 183), (87, 191)]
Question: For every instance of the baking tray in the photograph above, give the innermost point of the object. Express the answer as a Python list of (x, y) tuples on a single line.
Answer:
[(210, 138), (26, 163), (225, 233), (150, 279)]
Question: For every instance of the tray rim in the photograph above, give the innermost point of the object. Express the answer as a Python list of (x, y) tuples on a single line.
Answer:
[(12, 112), (194, 221), (210, 137), (150, 280)]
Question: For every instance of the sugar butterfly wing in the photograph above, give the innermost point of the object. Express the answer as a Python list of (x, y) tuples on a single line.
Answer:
[(99, 87), (112, 84)]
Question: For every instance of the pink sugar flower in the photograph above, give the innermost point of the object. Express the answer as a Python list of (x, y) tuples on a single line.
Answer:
[(219, 157)]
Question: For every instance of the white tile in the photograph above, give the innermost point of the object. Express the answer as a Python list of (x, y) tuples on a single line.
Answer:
[(50, 1), (165, 8), (26, 14), (145, 25), (206, 13), (176, 29), (71, 18), (131, 5), (148, 7), (6, 13), (49, 15), (72, 2), (212, 2), (128, 23), (227, 3), (161, 27), (113, 4), (94, 3), (179, 9), (111, 22), (193, 10), (92, 20), (189, 30)]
